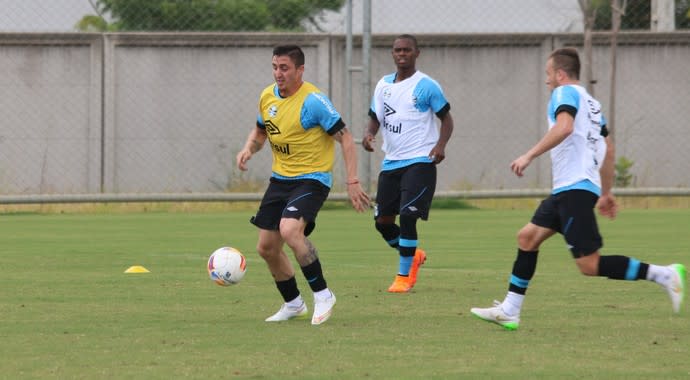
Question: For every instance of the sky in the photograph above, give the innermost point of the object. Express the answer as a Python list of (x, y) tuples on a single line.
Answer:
[(42, 15), (462, 16)]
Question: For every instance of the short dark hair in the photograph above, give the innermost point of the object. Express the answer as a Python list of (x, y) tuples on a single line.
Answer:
[(408, 37), (293, 51), (568, 60)]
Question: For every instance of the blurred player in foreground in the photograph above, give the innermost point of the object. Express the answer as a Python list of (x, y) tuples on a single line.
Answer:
[(583, 173)]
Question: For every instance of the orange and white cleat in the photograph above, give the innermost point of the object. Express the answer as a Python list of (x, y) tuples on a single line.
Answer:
[(401, 284), (418, 261)]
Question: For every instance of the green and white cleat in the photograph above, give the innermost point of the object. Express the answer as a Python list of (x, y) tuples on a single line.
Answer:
[(676, 287), (496, 315)]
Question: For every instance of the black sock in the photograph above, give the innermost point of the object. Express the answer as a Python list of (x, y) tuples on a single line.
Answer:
[(314, 276), (523, 270), (617, 267), (408, 235), (288, 289), (390, 233)]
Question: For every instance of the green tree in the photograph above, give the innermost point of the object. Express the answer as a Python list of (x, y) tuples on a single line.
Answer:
[(682, 14), (623, 175), (209, 15), (638, 14), (93, 23), (97, 22)]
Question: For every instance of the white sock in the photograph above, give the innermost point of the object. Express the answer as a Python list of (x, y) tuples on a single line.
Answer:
[(512, 304), (323, 294), (660, 275), (297, 302)]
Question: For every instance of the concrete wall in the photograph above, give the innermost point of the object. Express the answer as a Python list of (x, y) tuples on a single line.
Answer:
[(50, 113), (167, 113)]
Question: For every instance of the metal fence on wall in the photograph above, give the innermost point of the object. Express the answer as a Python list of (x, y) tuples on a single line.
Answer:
[(112, 113)]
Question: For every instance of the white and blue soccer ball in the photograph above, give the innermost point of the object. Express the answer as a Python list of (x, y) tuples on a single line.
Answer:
[(227, 266)]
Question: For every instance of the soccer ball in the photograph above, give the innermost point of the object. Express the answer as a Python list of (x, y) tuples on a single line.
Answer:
[(226, 266)]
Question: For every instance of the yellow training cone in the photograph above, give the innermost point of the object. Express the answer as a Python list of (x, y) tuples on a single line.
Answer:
[(137, 269)]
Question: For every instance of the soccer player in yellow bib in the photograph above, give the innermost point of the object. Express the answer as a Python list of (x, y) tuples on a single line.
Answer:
[(301, 126)]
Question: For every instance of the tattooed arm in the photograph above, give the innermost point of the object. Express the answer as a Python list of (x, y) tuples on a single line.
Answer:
[(255, 141)]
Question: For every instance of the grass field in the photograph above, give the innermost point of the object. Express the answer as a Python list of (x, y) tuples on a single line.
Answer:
[(67, 310)]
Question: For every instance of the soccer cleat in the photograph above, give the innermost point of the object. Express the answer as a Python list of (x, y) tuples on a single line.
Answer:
[(676, 287), (323, 310), (496, 315), (288, 312), (418, 261), (401, 284)]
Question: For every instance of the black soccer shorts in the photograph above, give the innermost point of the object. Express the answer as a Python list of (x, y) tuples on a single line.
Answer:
[(571, 213), (406, 191), (293, 199)]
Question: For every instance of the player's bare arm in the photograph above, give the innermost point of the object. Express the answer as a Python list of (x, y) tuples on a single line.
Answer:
[(359, 199), (607, 202), (438, 153), (555, 135), (369, 138), (255, 141)]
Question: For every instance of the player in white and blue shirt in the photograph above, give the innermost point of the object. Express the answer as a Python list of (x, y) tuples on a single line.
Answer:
[(406, 113), (404, 107), (583, 172), (576, 161)]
